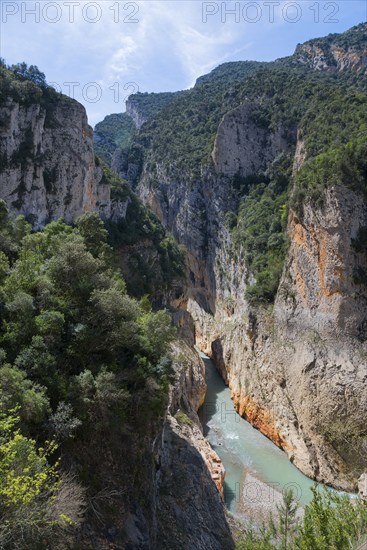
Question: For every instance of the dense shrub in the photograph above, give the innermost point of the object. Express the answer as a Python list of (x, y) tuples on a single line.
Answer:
[(74, 349), (330, 521)]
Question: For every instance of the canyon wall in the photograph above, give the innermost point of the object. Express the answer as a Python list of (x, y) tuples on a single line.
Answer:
[(48, 167), (297, 371), (185, 496)]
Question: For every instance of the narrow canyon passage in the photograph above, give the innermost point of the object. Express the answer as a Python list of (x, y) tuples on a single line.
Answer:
[(257, 471)]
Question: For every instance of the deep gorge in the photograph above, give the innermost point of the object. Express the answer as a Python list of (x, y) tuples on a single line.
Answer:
[(229, 218)]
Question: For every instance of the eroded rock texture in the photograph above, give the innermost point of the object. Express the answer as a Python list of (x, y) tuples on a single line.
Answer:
[(48, 169)]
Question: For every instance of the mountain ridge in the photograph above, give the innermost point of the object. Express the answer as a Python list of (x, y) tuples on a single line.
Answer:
[(289, 137)]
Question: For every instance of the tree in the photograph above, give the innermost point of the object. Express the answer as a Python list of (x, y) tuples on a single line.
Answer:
[(94, 233), (34, 501), (21, 70), (287, 522), (157, 332), (330, 522), (27, 482), (17, 391)]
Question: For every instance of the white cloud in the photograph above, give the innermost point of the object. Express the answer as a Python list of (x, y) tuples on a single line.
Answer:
[(168, 48)]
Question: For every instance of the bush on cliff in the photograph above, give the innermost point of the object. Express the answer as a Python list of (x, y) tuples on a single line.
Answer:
[(330, 521), (85, 362)]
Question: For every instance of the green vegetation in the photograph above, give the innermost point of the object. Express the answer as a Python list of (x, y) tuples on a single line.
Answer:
[(114, 132), (31, 511), (80, 361), (149, 104), (328, 111), (184, 130), (117, 131), (330, 521), (27, 85), (183, 419), (343, 165), (260, 228), (148, 255)]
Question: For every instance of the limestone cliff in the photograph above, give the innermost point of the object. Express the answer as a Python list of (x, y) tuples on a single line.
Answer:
[(335, 52), (244, 153), (48, 168), (297, 370), (185, 494), (190, 510), (299, 373)]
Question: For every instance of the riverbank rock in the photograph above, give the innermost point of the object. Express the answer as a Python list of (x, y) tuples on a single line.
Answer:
[(362, 486), (189, 476)]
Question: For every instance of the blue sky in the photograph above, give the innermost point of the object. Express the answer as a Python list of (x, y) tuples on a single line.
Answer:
[(100, 51)]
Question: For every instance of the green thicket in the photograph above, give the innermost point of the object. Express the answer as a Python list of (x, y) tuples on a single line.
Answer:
[(147, 254), (329, 522), (117, 131), (185, 129), (151, 258), (259, 228), (27, 85), (114, 132), (328, 110), (149, 104), (81, 364)]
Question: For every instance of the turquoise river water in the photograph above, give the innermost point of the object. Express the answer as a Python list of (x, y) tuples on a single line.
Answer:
[(257, 471)]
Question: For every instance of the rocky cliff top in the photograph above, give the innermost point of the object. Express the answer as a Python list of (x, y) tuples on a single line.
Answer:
[(336, 52), (143, 106), (258, 170)]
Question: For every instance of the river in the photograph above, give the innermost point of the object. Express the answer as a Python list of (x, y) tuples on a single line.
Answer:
[(257, 471)]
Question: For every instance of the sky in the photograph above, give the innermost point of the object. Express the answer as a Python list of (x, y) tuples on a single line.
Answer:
[(102, 51)]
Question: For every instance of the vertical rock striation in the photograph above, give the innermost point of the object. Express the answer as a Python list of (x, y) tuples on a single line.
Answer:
[(48, 169)]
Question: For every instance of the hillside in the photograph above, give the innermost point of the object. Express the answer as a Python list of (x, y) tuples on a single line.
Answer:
[(85, 362), (230, 218), (260, 171)]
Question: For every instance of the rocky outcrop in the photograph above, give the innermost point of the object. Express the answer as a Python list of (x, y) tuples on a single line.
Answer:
[(190, 510), (187, 396), (297, 372), (184, 505), (48, 169), (137, 115), (335, 52), (244, 144)]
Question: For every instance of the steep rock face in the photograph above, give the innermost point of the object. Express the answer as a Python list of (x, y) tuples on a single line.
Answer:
[(185, 495), (335, 52), (190, 510), (48, 162), (132, 109), (299, 374), (246, 152), (308, 354), (187, 396), (334, 58)]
